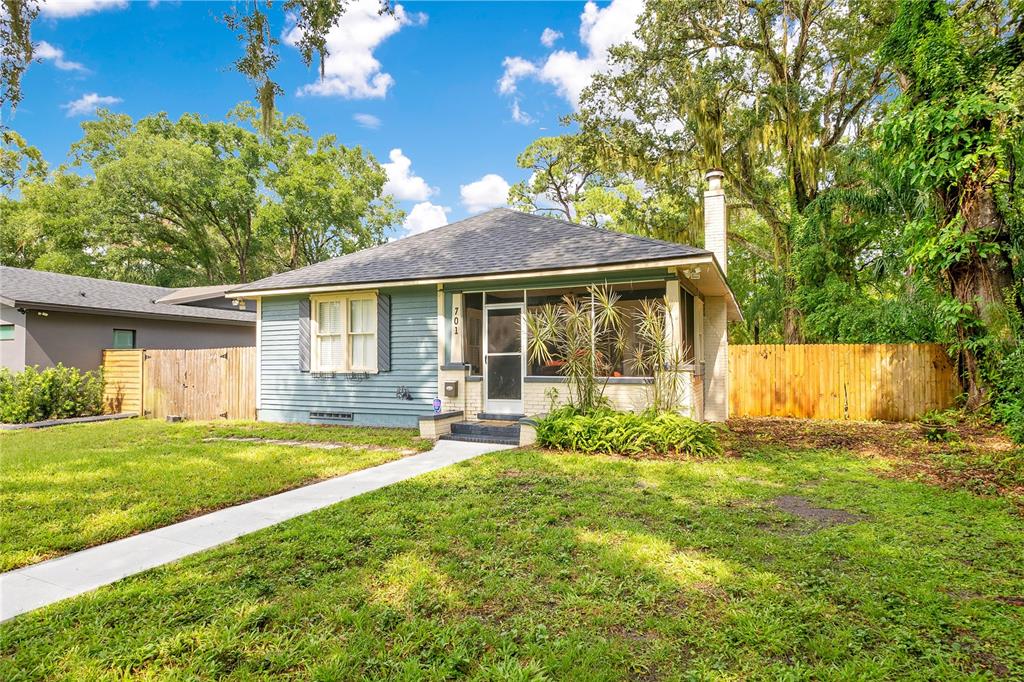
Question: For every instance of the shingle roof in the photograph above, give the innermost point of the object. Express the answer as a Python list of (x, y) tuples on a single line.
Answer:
[(498, 241), (51, 289)]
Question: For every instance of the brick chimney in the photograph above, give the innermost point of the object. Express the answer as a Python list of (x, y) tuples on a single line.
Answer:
[(715, 217), (716, 335)]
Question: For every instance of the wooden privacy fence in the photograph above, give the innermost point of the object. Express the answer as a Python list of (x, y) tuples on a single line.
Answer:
[(122, 381), (204, 383), (894, 382)]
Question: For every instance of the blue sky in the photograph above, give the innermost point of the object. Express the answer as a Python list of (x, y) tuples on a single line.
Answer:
[(459, 87)]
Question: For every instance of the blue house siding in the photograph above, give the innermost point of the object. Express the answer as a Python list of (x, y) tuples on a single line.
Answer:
[(288, 395)]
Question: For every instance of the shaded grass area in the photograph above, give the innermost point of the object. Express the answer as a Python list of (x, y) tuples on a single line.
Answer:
[(534, 565), (71, 487), (972, 455)]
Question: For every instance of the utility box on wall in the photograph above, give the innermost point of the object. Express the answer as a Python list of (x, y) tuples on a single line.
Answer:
[(451, 389)]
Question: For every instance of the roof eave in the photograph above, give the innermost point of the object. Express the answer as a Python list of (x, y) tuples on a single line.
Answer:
[(53, 307), (177, 298), (518, 274)]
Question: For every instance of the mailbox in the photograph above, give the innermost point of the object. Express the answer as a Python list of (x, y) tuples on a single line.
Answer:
[(451, 389)]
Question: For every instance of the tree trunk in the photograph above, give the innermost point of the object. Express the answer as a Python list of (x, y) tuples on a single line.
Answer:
[(979, 283)]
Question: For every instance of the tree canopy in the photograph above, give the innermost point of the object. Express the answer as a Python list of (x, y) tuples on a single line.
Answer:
[(196, 202)]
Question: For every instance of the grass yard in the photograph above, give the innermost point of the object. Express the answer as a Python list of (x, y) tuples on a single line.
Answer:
[(780, 562), (71, 487)]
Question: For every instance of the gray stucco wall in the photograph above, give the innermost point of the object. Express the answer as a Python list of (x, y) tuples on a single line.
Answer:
[(77, 340), (12, 352), (287, 394)]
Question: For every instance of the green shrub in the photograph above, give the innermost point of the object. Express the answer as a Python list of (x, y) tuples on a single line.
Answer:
[(53, 393), (626, 433), (1008, 406)]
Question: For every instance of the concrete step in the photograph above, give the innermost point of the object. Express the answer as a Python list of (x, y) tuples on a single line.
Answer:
[(480, 439), (483, 429), (495, 417)]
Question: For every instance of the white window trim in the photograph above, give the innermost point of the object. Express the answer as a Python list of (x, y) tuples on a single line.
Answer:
[(343, 299)]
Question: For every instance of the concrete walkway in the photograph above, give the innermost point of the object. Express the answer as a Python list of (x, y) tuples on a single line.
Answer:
[(34, 586)]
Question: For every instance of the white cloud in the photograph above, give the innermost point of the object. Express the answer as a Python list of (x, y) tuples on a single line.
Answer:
[(518, 115), (568, 71), (87, 104), (351, 70), (490, 191), (549, 37), (402, 183), (48, 52), (367, 121), (516, 68), (425, 216), (63, 9)]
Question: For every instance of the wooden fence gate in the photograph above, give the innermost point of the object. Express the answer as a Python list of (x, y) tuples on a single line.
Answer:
[(894, 382), (205, 383)]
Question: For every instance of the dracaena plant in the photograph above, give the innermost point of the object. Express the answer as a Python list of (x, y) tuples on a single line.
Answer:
[(657, 356), (581, 333)]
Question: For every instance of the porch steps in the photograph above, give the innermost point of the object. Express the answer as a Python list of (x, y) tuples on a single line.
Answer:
[(498, 417), (475, 432)]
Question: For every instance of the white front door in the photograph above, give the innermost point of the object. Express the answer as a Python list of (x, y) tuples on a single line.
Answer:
[(504, 358)]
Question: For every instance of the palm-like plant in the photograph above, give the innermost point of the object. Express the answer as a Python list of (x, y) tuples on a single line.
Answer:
[(657, 356), (580, 333)]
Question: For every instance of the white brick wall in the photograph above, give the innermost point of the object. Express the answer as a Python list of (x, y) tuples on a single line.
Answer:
[(716, 360), (468, 399), (625, 397)]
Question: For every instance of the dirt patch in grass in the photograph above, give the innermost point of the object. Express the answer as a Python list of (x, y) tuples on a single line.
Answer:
[(812, 517), (975, 456)]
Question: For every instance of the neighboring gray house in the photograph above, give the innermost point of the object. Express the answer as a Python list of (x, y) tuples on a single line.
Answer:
[(48, 318), (374, 337)]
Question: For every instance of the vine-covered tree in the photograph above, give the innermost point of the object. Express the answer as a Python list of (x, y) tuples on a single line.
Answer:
[(957, 133)]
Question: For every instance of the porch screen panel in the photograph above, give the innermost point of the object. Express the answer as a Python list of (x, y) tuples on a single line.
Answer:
[(503, 331), (504, 377)]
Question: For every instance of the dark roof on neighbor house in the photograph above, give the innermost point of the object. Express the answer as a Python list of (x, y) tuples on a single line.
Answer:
[(55, 291), (495, 242)]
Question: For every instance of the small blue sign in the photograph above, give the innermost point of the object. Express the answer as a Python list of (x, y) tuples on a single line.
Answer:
[(437, 405)]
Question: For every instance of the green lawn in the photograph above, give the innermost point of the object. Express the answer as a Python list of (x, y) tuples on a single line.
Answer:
[(70, 487), (532, 565)]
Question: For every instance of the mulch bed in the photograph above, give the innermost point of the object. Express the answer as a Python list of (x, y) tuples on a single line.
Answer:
[(977, 457)]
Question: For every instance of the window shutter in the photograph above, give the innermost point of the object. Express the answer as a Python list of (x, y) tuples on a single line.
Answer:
[(383, 333), (304, 343)]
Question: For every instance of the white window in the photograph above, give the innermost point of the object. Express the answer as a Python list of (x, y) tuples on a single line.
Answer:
[(344, 333), (362, 333)]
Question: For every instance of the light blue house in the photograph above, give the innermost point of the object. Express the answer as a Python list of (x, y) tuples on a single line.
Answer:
[(428, 330)]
